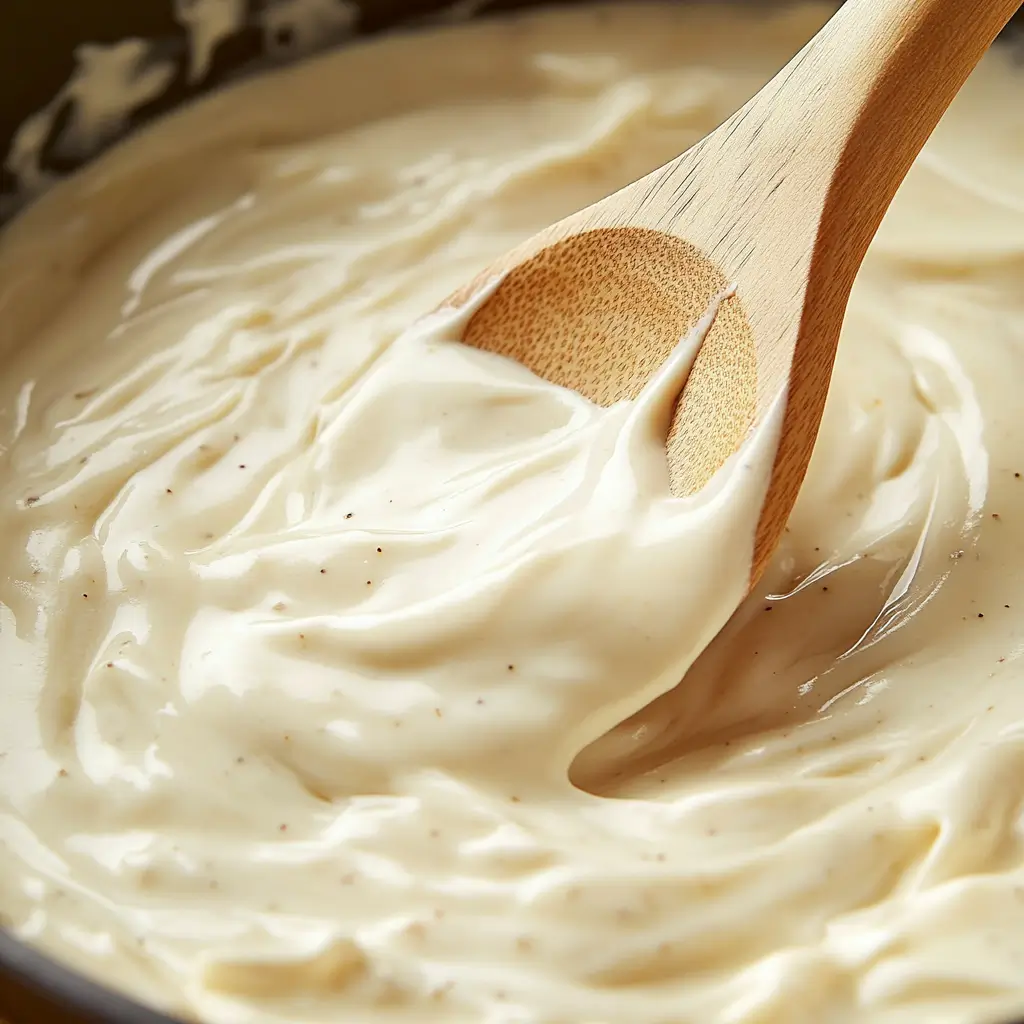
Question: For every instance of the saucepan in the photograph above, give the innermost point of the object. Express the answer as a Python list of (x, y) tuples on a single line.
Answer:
[(44, 46)]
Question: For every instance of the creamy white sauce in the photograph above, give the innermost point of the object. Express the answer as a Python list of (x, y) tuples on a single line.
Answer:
[(340, 662)]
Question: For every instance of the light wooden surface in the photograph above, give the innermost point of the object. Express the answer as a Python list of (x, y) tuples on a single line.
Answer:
[(782, 200)]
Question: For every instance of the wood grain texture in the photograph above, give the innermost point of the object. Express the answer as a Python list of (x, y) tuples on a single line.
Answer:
[(782, 200)]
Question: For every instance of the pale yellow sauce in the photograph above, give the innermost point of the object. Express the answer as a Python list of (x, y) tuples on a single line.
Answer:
[(306, 624)]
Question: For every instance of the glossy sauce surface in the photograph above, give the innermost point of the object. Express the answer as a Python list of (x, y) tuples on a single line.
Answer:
[(340, 664)]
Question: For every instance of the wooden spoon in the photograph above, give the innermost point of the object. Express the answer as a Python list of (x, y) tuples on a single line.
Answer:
[(782, 200)]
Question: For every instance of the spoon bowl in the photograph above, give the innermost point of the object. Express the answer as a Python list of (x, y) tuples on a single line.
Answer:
[(779, 203)]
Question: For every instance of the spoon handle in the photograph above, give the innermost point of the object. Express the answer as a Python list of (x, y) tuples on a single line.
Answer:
[(803, 175), (895, 65)]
